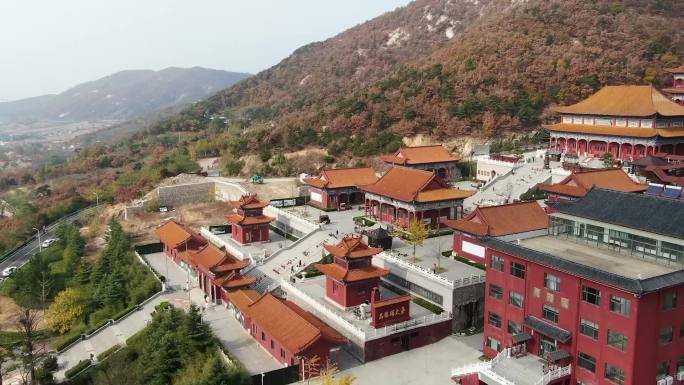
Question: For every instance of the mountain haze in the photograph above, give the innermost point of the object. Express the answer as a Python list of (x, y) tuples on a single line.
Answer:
[(453, 67), (122, 96)]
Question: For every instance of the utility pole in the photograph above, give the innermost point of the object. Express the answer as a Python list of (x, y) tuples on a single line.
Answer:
[(40, 245)]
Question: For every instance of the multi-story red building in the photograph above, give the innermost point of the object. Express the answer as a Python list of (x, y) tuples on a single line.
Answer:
[(335, 187), (578, 183), (404, 194), (249, 224), (351, 277), (628, 122), (435, 159), (598, 299)]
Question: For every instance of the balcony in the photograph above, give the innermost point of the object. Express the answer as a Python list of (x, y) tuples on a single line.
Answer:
[(506, 369)]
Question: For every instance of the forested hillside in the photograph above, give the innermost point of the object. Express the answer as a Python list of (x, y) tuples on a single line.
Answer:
[(505, 63)]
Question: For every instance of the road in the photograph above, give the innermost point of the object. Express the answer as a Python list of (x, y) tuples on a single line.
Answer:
[(21, 256)]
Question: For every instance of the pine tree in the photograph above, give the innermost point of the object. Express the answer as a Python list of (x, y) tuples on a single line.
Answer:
[(198, 334), (83, 273)]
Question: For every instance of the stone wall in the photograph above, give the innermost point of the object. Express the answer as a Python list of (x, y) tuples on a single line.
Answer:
[(186, 193)]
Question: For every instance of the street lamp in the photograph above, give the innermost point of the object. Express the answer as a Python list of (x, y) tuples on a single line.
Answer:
[(40, 245)]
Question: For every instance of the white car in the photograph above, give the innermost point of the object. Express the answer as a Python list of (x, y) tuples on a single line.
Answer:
[(46, 243), (8, 271)]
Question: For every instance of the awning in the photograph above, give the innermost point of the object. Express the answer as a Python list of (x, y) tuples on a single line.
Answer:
[(557, 355), (521, 337), (548, 329)]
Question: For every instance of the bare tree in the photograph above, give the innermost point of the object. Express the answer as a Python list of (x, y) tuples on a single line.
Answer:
[(45, 287), (32, 351)]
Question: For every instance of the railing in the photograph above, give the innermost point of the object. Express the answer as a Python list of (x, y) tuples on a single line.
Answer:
[(410, 324), (323, 310), (554, 374), (294, 218), (483, 366), (497, 377), (467, 281), (211, 237)]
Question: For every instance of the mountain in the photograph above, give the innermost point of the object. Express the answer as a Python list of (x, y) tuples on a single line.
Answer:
[(121, 96), (449, 68)]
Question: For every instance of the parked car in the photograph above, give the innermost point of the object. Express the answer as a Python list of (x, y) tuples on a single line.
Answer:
[(163, 209), (46, 243), (8, 271)]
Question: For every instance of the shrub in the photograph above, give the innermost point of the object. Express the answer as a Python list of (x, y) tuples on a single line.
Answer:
[(108, 352), (428, 305), (82, 365), (62, 343), (125, 311)]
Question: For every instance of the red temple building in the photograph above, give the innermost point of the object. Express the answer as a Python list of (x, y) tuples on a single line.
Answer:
[(217, 271), (510, 221), (404, 194), (249, 224), (677, 89), (339, 186), (578, 183), (435, 159), (629, 122), (351, 277), (597, 300), (288, 332)]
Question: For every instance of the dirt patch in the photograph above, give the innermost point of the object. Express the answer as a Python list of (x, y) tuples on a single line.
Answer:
[(9, 315), (141, 227), (274, 188)]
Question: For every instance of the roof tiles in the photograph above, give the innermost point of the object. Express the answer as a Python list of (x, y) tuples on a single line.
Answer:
[(420, 155), (626, 100), (343, 177), (503, 220)]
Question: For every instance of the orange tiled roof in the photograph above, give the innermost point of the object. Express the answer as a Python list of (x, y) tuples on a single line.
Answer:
[(391, 301), (676, 70), (579, 183), (234, 280), (627, 100), (351, 275), (244, 220), (174, 234), (352, 247), (343, 177), (443, 194), (249, 202), (503, 220), (637, 132), (406, 184), (420, 155), (242, 298), (290, 325)]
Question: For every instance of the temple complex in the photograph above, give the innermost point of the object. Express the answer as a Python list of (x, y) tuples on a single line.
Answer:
[(405, 194), (579, 183), (249, 224), (435, 159), (628, 122)]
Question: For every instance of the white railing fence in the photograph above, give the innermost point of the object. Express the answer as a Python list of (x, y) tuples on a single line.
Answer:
[(218, 242), (467, 281), (483, 366), (554, 374), (410, 324)]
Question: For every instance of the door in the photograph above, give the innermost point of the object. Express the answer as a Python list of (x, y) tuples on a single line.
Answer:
[(546, 345), (405, 342)]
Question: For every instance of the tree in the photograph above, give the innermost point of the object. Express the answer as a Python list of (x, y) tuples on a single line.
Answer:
[(198, 333), (5, 356), (328, 377), (418, 232), (31, 352), (608, 159), (65, 310)]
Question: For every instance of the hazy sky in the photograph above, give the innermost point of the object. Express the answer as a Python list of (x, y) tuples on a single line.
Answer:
[(47, 46)]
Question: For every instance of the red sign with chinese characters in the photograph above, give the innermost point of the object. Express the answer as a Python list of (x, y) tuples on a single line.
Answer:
[(390, 311)]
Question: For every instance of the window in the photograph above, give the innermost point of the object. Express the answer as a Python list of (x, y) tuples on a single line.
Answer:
[(495, 292), (619, 305), (614, 374), (591, 295), (586, 361), (516, 299), (263, 336), (518, 270), (589, 329), (550, 313), (272, 344), (282, 353), (670, 300), (493, 343), (617, 340), (497, 263), (494, 319), (665, 335), (551, 282), (514, 328)]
